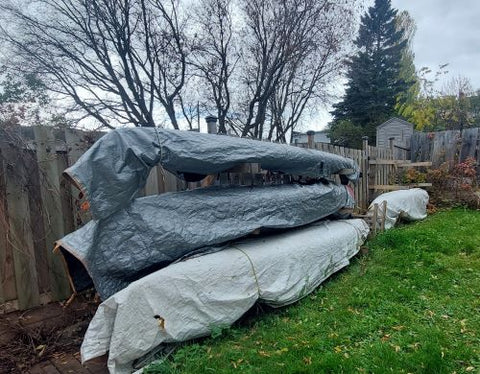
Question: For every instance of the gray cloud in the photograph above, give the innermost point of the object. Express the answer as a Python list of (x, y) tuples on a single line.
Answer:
[(447, 32)]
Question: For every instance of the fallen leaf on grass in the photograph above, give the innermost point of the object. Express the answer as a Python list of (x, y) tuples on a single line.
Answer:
[(263, 353), (281, 351), (307, 360)]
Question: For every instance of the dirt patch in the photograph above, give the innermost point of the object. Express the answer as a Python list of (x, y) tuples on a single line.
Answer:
[(40, 334)]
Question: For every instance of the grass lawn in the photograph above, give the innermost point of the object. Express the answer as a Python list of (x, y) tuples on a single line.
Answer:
[(410, 305)]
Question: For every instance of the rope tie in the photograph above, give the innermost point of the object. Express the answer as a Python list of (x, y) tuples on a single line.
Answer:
[(253, 268)]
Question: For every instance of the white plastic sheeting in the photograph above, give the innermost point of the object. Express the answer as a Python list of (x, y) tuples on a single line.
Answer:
[(186, 299), (410, 205)]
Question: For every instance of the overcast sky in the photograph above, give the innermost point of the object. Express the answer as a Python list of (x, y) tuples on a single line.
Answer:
[(447, 32)]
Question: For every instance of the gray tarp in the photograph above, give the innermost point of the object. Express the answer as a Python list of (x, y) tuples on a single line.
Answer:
[(116, 167), (156, 230)]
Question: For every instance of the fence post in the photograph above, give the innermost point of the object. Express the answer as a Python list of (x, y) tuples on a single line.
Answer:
[(390, 143), (366, 172), (52, 208), (311, 139)]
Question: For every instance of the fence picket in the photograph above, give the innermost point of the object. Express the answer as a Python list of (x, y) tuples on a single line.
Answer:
[(20, 233), (52, 212)]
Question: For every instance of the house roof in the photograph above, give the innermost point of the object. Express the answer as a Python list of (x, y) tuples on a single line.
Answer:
[(397, 120)]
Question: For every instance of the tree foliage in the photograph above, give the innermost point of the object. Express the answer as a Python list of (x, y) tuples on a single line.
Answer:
[(22, 98), (454, 106), (374, 76)]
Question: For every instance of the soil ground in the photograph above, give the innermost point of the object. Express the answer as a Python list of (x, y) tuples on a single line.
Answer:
[(47, 339)]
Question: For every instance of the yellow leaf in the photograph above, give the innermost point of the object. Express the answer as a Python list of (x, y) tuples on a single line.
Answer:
[(263, 353), (338, 349)]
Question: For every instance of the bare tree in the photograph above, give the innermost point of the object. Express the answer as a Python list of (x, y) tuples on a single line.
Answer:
[(121, 61), (289, 48), (132, 61), (215, 57), (306, 80)]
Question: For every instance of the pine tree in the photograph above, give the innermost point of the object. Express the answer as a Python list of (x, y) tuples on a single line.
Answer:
[(374, 71)]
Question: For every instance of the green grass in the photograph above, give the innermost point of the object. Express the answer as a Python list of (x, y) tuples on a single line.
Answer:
[(410, 305)]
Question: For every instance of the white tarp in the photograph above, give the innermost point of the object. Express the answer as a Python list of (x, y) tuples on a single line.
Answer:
[(410, 205), (186, 299)]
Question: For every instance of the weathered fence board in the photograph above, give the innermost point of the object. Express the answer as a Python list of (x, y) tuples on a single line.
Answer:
[(450, 146), (469, 143), (51, 197), (20, 233)]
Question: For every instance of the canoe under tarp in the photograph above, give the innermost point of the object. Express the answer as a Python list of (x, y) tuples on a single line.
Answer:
[(188, 299), (157, 230), (116, 167)]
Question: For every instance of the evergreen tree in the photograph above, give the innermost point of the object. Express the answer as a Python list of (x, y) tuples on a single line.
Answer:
[(374, 80)]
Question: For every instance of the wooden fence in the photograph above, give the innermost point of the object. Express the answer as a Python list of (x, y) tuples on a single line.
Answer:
[(450, 146), (38, 206)]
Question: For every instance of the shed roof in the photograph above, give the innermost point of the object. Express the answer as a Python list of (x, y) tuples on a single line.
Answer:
[(395, 120)]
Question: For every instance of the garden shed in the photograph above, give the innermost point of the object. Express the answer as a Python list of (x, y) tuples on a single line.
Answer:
[(400, 130)]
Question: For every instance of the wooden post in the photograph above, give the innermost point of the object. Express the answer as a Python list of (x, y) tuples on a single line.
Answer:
[(7, 277), (365, 166), (52, 208), (20, 233), (374, 220), (311, 139), (390, 144)]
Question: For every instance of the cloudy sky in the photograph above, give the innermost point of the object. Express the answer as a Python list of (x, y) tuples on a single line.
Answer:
[(447, 32)]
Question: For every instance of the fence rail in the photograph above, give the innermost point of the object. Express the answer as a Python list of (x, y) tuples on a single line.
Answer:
[(38, 206)]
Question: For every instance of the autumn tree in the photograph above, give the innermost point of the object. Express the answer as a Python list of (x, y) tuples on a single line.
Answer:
[(22, 99)]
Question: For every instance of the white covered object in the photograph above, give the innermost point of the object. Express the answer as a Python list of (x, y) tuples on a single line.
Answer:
[(406, 204), (186, 299)]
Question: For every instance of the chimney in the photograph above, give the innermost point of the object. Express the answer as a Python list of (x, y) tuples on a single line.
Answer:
[(211, 124)]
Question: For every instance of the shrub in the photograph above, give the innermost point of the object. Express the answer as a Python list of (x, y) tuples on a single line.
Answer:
[(455, 185)]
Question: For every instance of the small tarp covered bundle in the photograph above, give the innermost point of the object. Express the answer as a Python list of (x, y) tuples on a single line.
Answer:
[(188, 299), (157, 230), (116, 167), (410, 205)]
